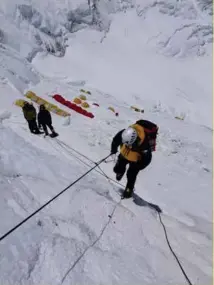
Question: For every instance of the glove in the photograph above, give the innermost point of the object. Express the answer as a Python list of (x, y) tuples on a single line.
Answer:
[(113, 151)]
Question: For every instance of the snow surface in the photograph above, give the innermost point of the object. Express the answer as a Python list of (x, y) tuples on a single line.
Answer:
[(152, 54)]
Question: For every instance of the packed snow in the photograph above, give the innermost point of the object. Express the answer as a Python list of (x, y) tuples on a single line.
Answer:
[(155, 55)]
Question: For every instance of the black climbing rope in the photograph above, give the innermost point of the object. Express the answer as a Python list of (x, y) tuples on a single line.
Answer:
[(153, 206), (172, 251), (109, 179), (51, 200)]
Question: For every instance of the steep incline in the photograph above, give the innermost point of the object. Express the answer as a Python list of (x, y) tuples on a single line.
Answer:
[(155, 55)]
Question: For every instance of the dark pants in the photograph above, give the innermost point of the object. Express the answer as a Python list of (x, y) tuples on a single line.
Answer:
[(134, 168), (45, 128), (33, 126)]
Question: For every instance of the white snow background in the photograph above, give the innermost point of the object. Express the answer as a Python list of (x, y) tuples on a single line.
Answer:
[(152, 54)]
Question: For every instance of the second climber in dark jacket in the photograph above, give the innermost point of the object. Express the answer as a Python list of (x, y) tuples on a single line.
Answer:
[(45, 120)]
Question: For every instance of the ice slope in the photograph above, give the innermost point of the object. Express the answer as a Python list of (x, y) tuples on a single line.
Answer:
[(85, 236), (133, 247)]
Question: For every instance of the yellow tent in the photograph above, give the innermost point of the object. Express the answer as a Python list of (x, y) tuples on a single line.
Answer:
[(51, 107)]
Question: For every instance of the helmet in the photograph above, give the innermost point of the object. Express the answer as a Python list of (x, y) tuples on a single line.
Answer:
[(129, 136)]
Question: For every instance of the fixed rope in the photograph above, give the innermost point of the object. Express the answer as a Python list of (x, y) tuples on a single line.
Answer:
[(159, 213), (172, 251), (51, 200), (69, 150), (91, 245), (60, 193)]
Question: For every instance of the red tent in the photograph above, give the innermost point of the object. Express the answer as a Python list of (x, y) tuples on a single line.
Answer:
[(72, 106)]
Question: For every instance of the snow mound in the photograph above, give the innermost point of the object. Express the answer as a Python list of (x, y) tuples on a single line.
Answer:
[(4, 115)]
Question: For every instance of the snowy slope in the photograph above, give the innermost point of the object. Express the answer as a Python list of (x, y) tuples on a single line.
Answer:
[(126, 58), (175, 84)]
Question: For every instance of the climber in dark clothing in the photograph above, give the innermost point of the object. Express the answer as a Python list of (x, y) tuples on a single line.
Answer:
[(44, 119), (136, 145), (30, 115)]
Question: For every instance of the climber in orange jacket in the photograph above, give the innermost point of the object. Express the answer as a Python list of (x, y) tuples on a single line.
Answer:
[(136, 145)]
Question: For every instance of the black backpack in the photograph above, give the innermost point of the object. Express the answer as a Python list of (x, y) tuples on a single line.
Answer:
[(151, 131)]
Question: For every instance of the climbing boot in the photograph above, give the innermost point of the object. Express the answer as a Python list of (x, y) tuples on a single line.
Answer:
[(119, 176), (127, 193)]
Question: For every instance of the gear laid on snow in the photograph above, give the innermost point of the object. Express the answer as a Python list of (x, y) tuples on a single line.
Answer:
[(137, 143), (45, 120), (30, 115)]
